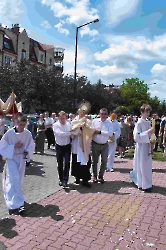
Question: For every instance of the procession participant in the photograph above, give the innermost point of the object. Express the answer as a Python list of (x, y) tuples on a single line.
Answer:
[(83, 131), (40, 137), (49, 131), (71, 117), (104, 129), (15, 119), (141, 174), (157, 129), (122, 140), (17, 147), (63, 147), (112, 144), (130, 140)]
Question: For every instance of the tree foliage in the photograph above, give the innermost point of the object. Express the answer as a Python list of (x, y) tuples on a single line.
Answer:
[(41, 89)]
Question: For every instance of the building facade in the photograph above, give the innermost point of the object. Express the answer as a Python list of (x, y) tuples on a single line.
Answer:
[(16, 45)]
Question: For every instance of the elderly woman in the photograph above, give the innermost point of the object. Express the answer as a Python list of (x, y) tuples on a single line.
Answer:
[(122, 140), (40, 137), (130, 134)]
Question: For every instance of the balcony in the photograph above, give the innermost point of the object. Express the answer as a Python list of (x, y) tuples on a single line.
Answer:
[(58, 67), (58, 54)]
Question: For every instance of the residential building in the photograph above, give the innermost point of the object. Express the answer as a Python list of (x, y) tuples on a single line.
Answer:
[(16, 45)]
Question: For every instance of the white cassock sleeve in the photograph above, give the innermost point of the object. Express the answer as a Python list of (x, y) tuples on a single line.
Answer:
[(139, 136), (6, 149), (30, 147)]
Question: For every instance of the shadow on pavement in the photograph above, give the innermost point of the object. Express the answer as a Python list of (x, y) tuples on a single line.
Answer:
[(123, 161), (159, 170), (37, 210), (110, 187), (122, 170), (6, 226), (35, 168)]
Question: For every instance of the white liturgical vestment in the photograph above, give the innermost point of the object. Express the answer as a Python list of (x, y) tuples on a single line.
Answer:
[(141, 174), (14, 168)]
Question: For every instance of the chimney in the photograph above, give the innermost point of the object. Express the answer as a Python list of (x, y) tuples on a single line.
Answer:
[(15, 29)]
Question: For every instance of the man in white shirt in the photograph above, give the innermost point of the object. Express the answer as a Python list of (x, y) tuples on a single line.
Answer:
[(104, 129), (49, 131), (63, 147)]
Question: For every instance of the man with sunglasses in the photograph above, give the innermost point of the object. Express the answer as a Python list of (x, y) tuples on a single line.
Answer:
[(104, 129)]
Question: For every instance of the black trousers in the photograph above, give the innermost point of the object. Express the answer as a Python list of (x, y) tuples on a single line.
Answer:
[(63, 153), (81, 171), (50, 135)]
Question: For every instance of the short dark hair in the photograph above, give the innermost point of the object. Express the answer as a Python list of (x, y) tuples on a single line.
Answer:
[(145, 107), (22, 119)]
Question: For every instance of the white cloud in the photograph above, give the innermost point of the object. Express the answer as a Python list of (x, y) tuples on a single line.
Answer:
[(86, 31), (45, 24), (118, 9), (62, 30), (78, 13), (11, 11), (157, 69), (112, 70)]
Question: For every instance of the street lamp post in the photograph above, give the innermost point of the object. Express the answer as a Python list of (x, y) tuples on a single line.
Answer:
[(75, 65)]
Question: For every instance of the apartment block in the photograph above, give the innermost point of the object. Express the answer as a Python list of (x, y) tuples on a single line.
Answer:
[(16, 45)]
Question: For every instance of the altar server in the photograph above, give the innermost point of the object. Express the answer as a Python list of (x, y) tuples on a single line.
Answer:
[(17, 147), (141, 174)]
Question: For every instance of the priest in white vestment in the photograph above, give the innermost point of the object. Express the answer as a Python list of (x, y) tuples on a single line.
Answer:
[(141, 174), (17, 146), (112, 142)]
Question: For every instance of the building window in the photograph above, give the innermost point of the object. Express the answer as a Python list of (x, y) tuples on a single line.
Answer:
[(50, 61), (6, 45), (23, 54), (8, 60), (41, 57), (35, 44)]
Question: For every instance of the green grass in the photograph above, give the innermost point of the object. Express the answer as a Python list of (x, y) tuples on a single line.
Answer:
[(158, 156)]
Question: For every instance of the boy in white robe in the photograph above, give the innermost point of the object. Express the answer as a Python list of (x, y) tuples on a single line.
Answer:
[(17, 147), (112, 143), (141, 174)]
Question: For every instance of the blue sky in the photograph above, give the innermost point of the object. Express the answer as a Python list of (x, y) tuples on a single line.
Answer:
[(129, 41)]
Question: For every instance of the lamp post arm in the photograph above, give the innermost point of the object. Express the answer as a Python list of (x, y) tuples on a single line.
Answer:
[(85, 24)]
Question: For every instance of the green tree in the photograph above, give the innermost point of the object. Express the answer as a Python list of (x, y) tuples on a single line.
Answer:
[(135, 93)]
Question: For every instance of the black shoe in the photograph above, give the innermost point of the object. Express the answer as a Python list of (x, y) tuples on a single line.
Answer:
[(86, 184), (60, 183), (77, 181), (65, 185), (148, 190), (13, 211), (95, 180), (101, 180), (22, 210)]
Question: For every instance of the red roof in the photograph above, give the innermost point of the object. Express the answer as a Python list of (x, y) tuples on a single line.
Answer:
[(46, 47)]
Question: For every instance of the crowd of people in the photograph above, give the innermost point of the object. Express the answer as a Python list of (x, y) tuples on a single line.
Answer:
[(81, 143)]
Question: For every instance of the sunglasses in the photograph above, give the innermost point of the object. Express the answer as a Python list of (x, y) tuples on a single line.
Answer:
[(103, 113)]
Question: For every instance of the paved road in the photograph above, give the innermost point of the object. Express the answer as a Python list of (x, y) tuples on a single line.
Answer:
[(41, 180), (110, 216)]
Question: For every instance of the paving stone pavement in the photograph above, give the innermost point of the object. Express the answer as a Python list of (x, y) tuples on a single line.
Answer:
[(110, 216), (41, 180)]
